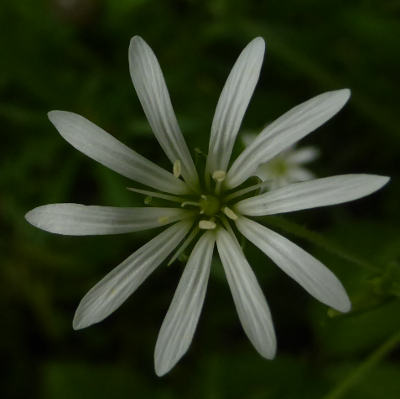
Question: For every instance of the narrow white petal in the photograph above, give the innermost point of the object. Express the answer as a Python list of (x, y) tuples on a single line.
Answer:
[(249, 299), (248, 138), (309, 272), (113, 290), (284, 132), (303, 155), (99, 145), (232, 104), (298, 174), (81, 220), (264, 173), (180, 322), (311, 194), (153, 94)]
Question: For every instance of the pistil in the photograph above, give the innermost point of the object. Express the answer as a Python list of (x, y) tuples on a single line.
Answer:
[(209, 204)]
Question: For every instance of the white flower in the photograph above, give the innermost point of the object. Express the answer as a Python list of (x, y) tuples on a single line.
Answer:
[(208, 205), (286, 167)]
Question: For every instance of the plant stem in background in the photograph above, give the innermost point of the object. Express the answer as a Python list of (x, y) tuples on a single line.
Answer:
[(360, 372)]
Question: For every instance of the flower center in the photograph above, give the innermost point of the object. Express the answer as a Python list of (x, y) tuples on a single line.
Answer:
[(279, 167), (209, 205)]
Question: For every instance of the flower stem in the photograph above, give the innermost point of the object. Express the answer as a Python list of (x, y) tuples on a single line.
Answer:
[(371, 361)]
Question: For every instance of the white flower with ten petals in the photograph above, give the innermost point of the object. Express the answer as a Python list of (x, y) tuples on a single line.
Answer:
[(208, 205)]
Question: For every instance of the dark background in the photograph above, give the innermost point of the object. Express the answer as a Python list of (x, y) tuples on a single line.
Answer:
[(72, 55)]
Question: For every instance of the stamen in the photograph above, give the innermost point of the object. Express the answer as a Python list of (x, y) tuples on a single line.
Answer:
[(207, 225), (177, 168), (246, 190), (194, 203), (227, 226), (228, 212), (155, 194), (184, 245), (219, 176)]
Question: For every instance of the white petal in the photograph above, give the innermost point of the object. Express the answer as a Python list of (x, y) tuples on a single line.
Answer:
[(80, 220), (99, 145), (284, 132), (248, 138), (113, 290), (249, 299), (153, 94), (312, 194), (180, 322), (310, 273), (232, 104), (298, 174), (303, 155), (264, 173)]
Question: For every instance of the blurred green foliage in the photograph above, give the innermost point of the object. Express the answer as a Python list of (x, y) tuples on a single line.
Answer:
[(72, 55)]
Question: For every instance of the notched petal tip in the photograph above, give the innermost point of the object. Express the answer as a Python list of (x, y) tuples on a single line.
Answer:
[(271, 350), (83, 319), (339, 97), (76, 326), (77, 323), (342, 304), (56, 114), (382, 180), (346, 306), (34, 217), (136, 40), (138, 46), (258, 41), (346, 93), (256, 48), (136, 37), (160, 369), (53, 115), (60, 118), (340, 301), (270, 354), (376, 182), (30, 217)]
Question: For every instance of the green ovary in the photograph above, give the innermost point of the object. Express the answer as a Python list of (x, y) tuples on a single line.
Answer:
[(210, 205), (279, 167)]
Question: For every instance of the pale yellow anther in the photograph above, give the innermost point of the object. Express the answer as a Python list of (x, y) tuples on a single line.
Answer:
[(207, 225), (177, 168), (228, 212), (219, 176), (163, 219)]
